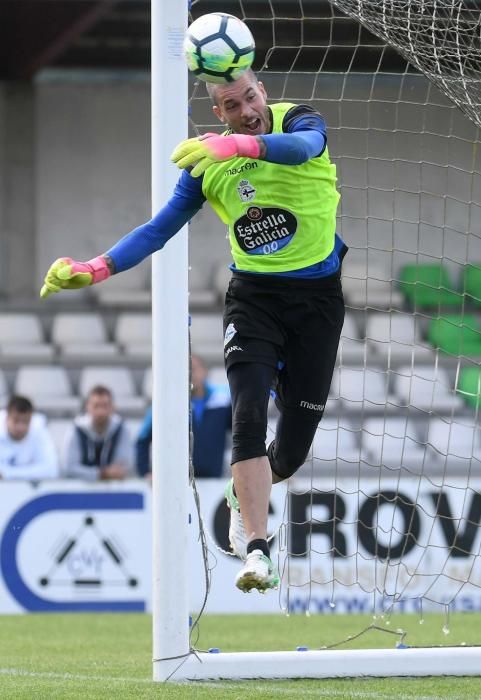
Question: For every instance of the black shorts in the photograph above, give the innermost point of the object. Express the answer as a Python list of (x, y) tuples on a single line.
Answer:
[(291, 324)]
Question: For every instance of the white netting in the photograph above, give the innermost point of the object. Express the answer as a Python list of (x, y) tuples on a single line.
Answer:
[(388, 509), (442, 38)]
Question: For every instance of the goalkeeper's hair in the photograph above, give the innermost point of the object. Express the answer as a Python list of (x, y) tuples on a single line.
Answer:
[(213, 87)]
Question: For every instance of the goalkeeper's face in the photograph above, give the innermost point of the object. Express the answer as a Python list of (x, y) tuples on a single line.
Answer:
[(242, 105)]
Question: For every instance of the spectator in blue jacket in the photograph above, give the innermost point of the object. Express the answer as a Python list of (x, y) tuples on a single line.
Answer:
[(211, 421)]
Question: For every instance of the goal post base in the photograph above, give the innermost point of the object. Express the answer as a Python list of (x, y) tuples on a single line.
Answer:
[(447, 661)]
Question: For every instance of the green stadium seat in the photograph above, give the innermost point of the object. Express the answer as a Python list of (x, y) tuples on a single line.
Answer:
[(428, 285), (456, 334), (472, 283), (469, 386)]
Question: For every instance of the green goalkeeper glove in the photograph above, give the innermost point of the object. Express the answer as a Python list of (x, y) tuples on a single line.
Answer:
[(66, 273)]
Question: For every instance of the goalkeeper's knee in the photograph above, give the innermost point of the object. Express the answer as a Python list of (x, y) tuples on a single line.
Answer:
[(289, 450)]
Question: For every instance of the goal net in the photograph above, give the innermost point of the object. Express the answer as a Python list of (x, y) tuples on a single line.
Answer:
[(385, 515)]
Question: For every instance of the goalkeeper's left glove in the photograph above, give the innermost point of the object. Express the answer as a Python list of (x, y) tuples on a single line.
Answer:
[(66, 273), (212, 148)]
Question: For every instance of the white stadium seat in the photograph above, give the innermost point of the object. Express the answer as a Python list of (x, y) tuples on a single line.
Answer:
[(393, 335), (49, 388), (120, 382), (133, 333), (455, 441), (147, 384), (426, 387), (352, 348), (334, 442), (58, 427), (222, 277), (393, 442), (3, 390), (368, 285), (129, 290), (201, 293), (207, 337), (22, 339), (361, 389), (82, 336)]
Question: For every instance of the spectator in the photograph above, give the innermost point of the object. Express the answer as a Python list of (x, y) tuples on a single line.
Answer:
[(98, 445), (26, 448), (211, 420)]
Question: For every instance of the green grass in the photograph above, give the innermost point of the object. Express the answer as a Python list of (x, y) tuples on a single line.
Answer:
[(109, 656)]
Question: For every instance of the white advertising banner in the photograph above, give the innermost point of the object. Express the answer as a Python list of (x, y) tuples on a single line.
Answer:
[(71, 546)]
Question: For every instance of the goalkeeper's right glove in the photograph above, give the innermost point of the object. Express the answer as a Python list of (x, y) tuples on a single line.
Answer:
[(66, 273), (212, 148)]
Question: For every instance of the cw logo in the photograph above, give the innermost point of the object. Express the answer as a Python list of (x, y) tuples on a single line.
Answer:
[(22, 518)]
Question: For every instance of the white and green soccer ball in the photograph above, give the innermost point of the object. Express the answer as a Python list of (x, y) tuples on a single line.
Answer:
[(218, 48)]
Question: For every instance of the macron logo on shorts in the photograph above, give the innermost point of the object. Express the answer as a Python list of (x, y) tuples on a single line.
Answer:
[(231, 349), (230, 332), (312, 406)]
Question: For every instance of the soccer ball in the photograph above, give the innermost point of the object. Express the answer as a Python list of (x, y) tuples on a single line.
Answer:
[(218, 48)]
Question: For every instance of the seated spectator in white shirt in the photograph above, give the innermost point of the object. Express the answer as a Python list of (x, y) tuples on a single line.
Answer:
[(27, 450), (98, 445)]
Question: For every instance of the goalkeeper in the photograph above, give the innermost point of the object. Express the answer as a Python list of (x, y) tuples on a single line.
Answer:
[(269, 178)]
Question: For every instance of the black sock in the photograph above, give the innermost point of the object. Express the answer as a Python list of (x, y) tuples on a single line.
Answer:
[(258, 544)]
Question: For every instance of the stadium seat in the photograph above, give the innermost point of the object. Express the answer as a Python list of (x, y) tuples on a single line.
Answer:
[(222, 276), (427, 285), (49, 388), (472, 283), (207, 337), (82, 337), (147, 384), (201, 297), (120, 382), (392, 442), (4, 393), (425, 387), (361, 389), (368, 284), (455, 440), (456, 334), (129, 290), (392, 335), (133, 333), (334, 444), (22, 339), (352, 348), (58, 427), (469, 386)]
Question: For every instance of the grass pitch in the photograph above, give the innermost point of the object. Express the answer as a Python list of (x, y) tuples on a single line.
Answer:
[(92, 656)]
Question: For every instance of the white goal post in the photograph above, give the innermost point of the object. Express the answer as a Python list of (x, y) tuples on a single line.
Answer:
[(173, 657)]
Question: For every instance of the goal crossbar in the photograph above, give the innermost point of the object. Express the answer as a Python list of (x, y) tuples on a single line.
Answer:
[(465, 661)]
